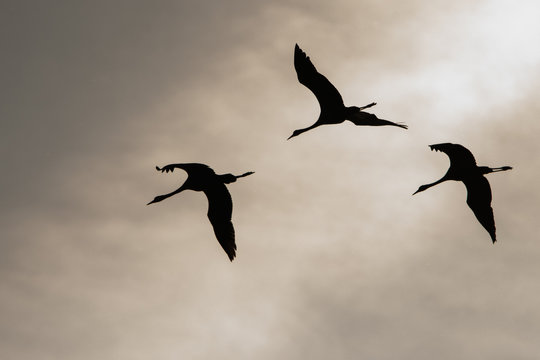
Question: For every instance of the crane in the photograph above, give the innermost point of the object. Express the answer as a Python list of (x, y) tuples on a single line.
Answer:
[(202, 178), (463, 168), (333, 110)]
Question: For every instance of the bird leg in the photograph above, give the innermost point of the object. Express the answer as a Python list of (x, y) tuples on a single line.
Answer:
[(368, 106), (503, 168), (230, 178), (245, 174), (487, 170)]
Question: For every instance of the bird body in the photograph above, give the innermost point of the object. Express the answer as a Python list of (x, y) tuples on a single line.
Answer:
[(203, 178), (333, 110), (463, 168)]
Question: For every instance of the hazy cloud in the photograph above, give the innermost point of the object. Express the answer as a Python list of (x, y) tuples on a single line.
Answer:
[(335, 258)]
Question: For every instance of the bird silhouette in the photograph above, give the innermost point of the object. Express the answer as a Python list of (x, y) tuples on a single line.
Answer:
[(203, 178), (463, 168), (333, 110)]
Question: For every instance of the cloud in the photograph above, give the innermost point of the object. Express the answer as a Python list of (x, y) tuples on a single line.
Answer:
[(335, 257)]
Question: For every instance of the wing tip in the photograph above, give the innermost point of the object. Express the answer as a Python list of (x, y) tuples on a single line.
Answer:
[(299, 53), (225, 235), (231, 252), (442, 146)]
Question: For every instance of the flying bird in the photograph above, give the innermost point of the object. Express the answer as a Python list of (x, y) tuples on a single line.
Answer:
[(463, 168), (333, 110), (203, 178)]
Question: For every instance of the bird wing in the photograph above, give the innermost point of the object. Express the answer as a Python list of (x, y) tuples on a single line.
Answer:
[(328, 96), (220, 213), (479, 200), (460, 156), (195, 168)]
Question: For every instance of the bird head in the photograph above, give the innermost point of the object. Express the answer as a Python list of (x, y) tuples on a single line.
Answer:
[(421, 188), (158, 199), (295, 133), (166, 196)]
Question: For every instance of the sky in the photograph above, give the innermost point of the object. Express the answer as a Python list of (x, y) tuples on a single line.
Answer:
[(335, 258)]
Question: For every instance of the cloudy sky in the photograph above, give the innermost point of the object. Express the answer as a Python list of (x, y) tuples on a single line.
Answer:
[(336, 259)]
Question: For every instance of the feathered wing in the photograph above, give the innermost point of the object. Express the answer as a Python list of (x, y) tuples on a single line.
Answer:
[(460, 156), (479, 200), (220, 214), (328, 96)]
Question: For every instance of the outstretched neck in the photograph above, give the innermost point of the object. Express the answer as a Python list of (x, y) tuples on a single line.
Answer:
[(300, 131), (166, 196), (427, 186)]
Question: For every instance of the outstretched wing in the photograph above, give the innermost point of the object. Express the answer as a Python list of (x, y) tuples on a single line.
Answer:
[(220, 213), (479, 200), (327, 95), (460, 156)]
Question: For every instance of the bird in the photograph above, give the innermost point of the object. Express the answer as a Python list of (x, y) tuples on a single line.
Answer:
[(333, 110), (463, 168), (202, 178)]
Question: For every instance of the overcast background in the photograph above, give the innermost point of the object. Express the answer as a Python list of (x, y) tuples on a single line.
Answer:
[(336, 259)]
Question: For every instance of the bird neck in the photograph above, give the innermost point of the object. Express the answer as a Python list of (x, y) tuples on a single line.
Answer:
[(300, 131), (427, 186)]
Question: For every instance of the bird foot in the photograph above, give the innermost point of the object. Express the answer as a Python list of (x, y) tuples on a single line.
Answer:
[(368, 106)]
